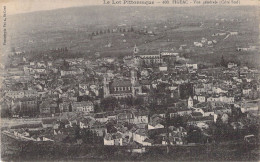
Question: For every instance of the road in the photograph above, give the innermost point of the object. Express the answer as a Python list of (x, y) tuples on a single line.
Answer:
[(9, 122)]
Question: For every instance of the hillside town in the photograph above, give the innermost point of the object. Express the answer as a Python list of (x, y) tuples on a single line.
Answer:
[(144, 99)]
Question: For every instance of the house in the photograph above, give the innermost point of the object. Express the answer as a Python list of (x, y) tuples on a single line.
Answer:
[(21, 133), (208, 112), (101, 117), (221, 98), (84, 106), (41, 64), (246, 91), (202, 119), (141, 136), (49, 123), (220, 109), (48, 107), (64, 122), (196, 114), (198, 44), (250, 107), (237, 125), (83, 89), (99, 128), (231, 65), (155, 124), (145, 73), (114, 139), (202, 125), (184, 111), (203, 40), (197, 110), (233, 33), (192, 66), (223, 116), (111, 116), (149, 59), (21, 94), (163, 68), (140, 117), (86, 122), (64, 107), (40, 70), (210, 42), (41, 138), (124, 117), (177, 136), (200, 98)]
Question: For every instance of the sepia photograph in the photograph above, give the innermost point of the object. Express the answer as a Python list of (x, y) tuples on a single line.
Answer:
[(129, 80)]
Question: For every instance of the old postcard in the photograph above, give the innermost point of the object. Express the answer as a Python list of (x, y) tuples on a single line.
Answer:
[(129, 80)]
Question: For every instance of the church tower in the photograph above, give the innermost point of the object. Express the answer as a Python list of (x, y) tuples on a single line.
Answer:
[(136, 87), (190, 102), (133, 77), (136, 50), (135, 58), (106, 87)]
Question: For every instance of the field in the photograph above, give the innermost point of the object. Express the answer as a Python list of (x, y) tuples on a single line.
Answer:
[(172, 27)]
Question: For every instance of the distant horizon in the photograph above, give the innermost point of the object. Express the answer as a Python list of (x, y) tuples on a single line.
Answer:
[(16, 7)]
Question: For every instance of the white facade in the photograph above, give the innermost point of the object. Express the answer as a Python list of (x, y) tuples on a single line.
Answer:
[(157, 126)]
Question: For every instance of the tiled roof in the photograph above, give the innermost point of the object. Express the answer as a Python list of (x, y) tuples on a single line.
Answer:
[(121, 83), (48, 121), (83, 103), (142, 132)]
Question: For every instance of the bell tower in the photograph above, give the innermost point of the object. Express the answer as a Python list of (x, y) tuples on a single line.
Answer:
[(133, 77), (106, 86), (190, 102), (136, 50)]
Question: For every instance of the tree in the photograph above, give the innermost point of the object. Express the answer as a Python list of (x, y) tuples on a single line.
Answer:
[(223, 62), (194, 135), (219, 122), (5, 112), (179, 121), (109, 103), (13, 49), (138, 101), (65, 65), (88, 136), (77, 132), (70, 108), (97, 108), (62, 125)]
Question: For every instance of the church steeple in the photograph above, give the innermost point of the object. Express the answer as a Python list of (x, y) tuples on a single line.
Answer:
[(136, 50), (190, 102), (134, 76)]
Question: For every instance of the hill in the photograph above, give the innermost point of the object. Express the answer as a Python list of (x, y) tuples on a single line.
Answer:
[(172, 26)]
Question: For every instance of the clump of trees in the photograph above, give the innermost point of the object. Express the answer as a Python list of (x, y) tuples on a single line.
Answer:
[(120, 30), (109, 103), (5, 112)]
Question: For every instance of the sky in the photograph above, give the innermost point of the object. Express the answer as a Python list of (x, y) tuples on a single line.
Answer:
[(24, 6)]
